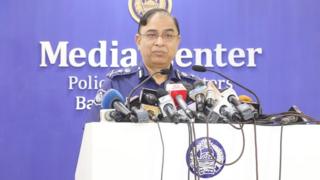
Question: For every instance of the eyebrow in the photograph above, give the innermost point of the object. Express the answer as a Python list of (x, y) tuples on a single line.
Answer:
[(155, 31)]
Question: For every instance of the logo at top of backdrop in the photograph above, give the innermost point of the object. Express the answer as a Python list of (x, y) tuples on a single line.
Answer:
[(138, 7), (202, 156)]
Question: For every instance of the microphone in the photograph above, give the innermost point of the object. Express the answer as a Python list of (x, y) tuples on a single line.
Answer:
[(167, 106), (212, 116), (247, 111), (248, 100), (245, 99), (139, 112), (177, 89), (149, 102), (179, 94), (213, 94), (111, 115), (212, 97), (198, 94), (113, 100), (162, 71), (199, 68), (148, 96), (225, 108), (105, 115), (187, 85), (204, 69)]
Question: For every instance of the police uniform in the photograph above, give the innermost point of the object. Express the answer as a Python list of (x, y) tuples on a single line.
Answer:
[(125, 79)]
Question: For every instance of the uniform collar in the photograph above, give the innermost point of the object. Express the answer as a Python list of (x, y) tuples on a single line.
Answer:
[(174, 74)]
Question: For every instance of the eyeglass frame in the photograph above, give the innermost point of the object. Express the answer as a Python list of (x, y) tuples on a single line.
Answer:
[(153, 36)]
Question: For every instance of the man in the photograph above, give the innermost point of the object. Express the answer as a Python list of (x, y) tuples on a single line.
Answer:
[(157, 39)]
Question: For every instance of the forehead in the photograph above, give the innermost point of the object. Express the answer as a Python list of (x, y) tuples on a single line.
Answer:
[(159, 22)]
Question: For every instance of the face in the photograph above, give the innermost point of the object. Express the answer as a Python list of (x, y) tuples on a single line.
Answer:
[(158, 41)]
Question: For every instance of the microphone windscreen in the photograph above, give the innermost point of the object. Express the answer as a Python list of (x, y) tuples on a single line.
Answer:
[(111, 96), (245, 99), (134, 101), (161, 92), (199, 68)]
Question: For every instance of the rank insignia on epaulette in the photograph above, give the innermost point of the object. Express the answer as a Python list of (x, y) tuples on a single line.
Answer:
[(188, 76), (183, 74), (119, 72), (110, 74), (99, 96)]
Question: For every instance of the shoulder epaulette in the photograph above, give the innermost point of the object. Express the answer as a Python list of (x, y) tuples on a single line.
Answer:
[(122, 72), (188, 76)]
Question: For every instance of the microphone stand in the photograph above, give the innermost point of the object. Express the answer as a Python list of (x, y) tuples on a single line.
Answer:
[(204, 69), (162, 71)]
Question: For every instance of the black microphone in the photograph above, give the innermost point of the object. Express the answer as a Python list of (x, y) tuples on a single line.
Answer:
[(167, 106), (200, 68), (162, 71), (148, 101), (112, 99), (149, 96)]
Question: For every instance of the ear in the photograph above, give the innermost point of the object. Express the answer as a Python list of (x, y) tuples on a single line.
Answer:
[(179, 40), (138, 40)]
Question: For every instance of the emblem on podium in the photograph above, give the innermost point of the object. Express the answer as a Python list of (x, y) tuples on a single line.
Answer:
[(203, 160)]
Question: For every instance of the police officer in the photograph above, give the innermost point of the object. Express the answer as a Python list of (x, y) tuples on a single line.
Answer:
[(158, 39)]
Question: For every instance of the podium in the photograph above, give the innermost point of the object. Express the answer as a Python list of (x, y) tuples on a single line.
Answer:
[(133, 151)]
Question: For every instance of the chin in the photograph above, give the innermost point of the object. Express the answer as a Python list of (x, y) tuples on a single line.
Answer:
[(160, 63)]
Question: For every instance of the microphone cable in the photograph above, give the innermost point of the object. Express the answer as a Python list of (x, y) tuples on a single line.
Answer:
[(256, 147), (203, 69), (190, 142), (280, 153), (163, 148), (195, 148), (222, 163), (271, 117), (192, 137), (235, 127)]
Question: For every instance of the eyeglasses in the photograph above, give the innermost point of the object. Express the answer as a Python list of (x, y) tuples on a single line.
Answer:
[(166, 36)]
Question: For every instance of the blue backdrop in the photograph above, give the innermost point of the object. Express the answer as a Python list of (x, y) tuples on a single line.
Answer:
[(41, 125)]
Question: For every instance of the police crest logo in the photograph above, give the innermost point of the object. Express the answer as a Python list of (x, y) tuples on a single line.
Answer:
[(199, 157), (138, 7)]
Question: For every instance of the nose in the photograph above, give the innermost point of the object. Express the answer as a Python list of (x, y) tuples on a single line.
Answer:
[(159, 41)]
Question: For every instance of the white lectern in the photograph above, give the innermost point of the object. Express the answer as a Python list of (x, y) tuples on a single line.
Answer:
[(132, 151)]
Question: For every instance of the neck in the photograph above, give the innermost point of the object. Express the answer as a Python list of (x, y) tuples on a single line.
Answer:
[(158, 78)]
